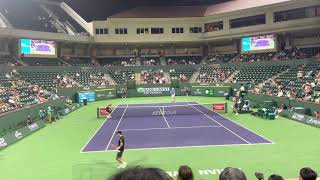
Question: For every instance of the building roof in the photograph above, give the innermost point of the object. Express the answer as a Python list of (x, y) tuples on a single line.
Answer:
[(192, 11)]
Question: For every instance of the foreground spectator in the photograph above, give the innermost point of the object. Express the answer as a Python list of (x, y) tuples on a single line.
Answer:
[(141, 173), (230, 173), (275, 177), (307, 173), (185, 173)]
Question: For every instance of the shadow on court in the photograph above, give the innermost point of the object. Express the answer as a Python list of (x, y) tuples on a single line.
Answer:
[(100, 169)]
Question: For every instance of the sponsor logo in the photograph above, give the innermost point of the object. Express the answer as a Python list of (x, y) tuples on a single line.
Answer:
[(298, 117), (160, 113), (18, 135), (3, 142), (218, 107), (153, 90), (198, 92), (110, 94), (66, 110), (86, 88), (33, 126), (103, 112), (313, 121), (140, 90)]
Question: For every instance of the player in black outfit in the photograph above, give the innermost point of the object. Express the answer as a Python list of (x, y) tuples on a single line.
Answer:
[(120, 149)]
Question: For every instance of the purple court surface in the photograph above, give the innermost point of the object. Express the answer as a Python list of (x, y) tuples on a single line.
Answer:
[(161, 125)]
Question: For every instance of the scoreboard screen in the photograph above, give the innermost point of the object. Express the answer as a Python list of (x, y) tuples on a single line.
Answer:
[(258, 43), (38, 48)]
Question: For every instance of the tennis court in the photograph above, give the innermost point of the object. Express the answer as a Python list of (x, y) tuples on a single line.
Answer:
[(164, 125)]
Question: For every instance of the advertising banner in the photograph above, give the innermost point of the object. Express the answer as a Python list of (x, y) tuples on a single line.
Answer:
[(154, 90), (209, 90), (312, 121), (19, 134), (97, 94)]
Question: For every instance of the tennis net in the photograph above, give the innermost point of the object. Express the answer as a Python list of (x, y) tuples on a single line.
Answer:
[(142, 111)]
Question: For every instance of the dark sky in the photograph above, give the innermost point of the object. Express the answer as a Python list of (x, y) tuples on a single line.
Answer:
[(101, 9)]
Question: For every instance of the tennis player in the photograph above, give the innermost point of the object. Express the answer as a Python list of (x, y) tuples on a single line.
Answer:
[(109, 110), (120, 149), (173, 95)]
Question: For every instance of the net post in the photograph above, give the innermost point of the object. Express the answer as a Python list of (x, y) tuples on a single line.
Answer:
[(226, 107)]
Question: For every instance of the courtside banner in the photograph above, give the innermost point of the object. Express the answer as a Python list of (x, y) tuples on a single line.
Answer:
[(209, 90), (222, 107), (312, 121), (18, 134), (101, 112), (154, 90)]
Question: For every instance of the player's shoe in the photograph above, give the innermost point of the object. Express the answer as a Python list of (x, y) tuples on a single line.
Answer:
[(124, 165), (120, 166)]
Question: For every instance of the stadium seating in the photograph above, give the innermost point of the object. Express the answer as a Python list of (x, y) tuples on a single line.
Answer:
[(16, 93), (299, 53), (255, 57), (151, 61), (91, 78), (298, 82), (117, 61), (214, 75), (122, 76), (183, 74), (84, 61), (220, 58), (8, 60), (258, 74), (42, 61), (172, 60), (152, 77), (44, 79)]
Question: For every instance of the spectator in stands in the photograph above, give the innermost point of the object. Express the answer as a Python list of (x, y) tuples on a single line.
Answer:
[(29, 120), (317, 114), (49, 114), (124, 93), (42, 114), (185, 173), (230, 173), (141, 173), (307, 173)]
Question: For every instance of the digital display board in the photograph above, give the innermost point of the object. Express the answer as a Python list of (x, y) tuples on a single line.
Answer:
[(258, 43), (90, 96), (32, 47)]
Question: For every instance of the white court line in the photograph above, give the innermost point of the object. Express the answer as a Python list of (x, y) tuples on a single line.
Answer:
[(180, 147), (164, 118), (222, 125), (114, 132), (190, 127), (97, 131), (240, 125)]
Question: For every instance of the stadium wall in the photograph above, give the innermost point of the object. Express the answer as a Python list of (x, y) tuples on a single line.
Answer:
[(14, 120), (259, 100), (167, 23)]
